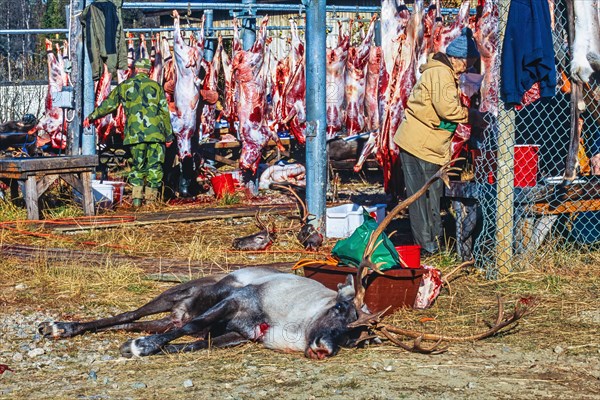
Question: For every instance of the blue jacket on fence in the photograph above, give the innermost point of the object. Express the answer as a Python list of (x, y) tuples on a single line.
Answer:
[(527, 51)]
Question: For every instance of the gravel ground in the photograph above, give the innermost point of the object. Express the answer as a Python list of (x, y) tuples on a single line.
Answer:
[(90, 367)]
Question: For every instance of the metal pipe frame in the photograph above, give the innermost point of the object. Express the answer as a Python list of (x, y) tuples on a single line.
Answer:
[(239, 6)]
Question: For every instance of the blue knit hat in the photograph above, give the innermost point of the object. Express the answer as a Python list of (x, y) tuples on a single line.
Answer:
[(463, 46)]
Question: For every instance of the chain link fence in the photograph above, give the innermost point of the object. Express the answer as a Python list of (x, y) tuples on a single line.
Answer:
[(528, 206)]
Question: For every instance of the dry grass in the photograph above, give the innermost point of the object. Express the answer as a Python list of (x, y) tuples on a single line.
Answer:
[(564, 284)]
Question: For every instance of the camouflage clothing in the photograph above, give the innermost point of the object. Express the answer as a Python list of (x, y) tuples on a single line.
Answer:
[(146, 166), (147, 129), (145, 107)]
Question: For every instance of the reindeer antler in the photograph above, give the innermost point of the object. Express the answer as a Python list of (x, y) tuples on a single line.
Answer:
[(391, 332), (304, 216)]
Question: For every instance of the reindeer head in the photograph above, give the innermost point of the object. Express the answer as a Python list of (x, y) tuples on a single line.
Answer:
[(330, 331), (256, 241)]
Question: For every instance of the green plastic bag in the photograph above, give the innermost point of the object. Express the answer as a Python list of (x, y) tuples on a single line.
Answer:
[(350, 250)]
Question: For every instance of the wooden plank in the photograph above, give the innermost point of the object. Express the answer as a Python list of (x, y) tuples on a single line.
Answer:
[(190, 215), (566, 207), (87, 194), (161, 268), (31, 198), (225, 160), (44, 183), (38, 164), (74, 181)]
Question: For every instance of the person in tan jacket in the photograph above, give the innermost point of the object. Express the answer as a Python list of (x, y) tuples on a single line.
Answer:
[(432, 114)]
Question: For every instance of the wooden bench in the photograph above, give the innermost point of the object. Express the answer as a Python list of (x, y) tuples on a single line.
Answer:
[(536, 210), (35, 175)]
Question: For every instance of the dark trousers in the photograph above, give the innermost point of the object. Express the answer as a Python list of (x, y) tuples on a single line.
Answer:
[(424, 213)]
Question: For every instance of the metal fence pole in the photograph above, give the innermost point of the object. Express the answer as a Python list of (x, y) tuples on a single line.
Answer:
[(505, 171), (249, 27), (316, 160), (209, 45), (88, 139), (76, 50)]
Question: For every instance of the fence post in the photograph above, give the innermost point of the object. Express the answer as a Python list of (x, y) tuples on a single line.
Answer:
[(505, 169), (316, 125)]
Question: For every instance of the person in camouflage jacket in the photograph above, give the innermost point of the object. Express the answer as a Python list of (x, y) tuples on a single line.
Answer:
[(147, 129)]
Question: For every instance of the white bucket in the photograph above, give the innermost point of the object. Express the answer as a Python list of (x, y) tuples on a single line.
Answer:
[(103, 194)]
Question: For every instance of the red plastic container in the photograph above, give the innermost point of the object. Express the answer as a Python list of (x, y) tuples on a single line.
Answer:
[(222, 184), (410, 254), (525, 164), (398, 288)]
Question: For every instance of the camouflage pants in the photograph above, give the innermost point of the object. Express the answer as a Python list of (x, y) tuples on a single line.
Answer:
[(147, 164)]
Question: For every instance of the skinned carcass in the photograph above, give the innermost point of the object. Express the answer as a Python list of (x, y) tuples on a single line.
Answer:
[(377, 81), (336, 83), (486, 37), (186, 94), (402, 80), (394, 17), (293, 105), (586, 43), (156, 73), (52, 122), (208, 118), (294, 174), (250, 83), (356, 69), (230, 110), (106, 125)]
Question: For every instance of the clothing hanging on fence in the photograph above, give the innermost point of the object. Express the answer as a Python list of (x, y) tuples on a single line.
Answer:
[(527, 51), (104, 37)]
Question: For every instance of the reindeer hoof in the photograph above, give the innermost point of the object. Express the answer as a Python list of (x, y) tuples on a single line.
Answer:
[(56, 329), (144, 346)]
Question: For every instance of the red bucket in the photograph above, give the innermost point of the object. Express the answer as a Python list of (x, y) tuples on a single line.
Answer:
[(222, 185), (526, 165), (410, 254)]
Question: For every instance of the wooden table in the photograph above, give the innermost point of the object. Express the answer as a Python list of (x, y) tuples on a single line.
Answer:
[(36, 174), (536, 209)]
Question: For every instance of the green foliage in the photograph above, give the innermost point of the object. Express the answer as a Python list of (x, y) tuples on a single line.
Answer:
[(54, 15), (229, 199)]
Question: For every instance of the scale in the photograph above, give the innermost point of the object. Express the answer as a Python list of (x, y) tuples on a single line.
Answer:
[(66, 101)]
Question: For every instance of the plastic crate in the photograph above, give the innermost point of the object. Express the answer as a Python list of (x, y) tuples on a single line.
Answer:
[(343, 220)]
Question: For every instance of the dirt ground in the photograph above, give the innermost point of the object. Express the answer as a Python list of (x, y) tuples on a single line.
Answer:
[(554, 353)]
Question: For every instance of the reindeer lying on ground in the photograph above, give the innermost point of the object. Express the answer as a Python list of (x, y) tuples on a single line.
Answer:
[(283, 311)]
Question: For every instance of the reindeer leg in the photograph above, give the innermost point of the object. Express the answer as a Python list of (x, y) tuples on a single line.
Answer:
[(153, 344), (175, 297), (70, 329), (155, 326), (230, 339)]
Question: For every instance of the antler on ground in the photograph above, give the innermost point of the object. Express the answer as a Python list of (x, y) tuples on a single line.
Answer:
[(520, 311)]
